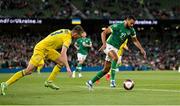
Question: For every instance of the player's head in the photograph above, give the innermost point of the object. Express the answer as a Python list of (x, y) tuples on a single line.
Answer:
[(84, 34), (130, 21), (77, 31)]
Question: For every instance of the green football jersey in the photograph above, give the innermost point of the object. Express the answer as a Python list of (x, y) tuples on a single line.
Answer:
[(82, 49), (119, 34)]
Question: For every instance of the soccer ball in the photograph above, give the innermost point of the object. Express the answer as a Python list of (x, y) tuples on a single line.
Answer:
[(128, 84)]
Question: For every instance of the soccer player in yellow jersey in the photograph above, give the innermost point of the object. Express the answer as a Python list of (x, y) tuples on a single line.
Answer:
[(121, 50), (46, 49)]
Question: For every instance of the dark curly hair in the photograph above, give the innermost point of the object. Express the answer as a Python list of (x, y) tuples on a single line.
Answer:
[(78, 29)]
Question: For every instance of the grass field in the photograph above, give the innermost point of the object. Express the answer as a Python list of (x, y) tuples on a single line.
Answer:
[(151, 88)]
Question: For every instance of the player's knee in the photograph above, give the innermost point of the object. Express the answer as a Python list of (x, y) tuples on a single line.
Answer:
[(106, 69), (27, 72), (81, 61), (115, 58), (60, 64), (58, 61)]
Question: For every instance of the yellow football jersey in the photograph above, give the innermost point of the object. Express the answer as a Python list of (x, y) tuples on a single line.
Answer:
[(56, 40), (121, 49)]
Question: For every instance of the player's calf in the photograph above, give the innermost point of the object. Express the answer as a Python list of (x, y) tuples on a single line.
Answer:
[(112, 84), (79, 75), (74, 74)]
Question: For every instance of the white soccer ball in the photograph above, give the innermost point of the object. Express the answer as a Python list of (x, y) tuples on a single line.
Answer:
[(128, 84)]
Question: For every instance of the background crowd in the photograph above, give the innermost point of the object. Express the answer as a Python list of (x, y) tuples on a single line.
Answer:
[(90, 9), (161, 43), (162, 47)]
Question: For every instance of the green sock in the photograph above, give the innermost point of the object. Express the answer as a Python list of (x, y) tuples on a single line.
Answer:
[(79, 68), (113, 69), (112, 74), (113, 64), (98, 76)]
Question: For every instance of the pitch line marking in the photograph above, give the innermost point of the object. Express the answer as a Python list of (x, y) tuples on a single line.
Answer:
[(139, 89)]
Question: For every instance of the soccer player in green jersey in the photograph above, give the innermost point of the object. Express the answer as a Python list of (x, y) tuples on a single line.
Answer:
[(119, 33), (111, 74), (82, 45)]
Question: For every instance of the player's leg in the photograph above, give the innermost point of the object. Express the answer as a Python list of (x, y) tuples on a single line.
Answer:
[(80, 65), (34, 61), (111, 54), (18, 75), (114, 57), (99, 75), (113, 73), (81, 59), (78, 68), (52, 76), (108, 75), (119, 63), (54, 56), (40, 66)]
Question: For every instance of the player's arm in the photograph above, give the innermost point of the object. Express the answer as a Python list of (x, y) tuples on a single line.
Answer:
[(76, 45), (66, 44), (86, 45), (138, 45), (126, 47), (103, 37), (64, 56)]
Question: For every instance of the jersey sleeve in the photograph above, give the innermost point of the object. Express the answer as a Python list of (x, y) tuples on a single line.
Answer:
[(89, 41), (133, 32), (78, 41), (67, 42)]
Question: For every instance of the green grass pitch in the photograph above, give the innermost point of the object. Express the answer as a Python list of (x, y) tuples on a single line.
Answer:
[(151, 88)]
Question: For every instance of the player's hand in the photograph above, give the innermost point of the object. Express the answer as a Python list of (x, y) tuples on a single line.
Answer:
[(129, 51), (92, 48), (143, 53), (69, 72), (77, 48), (102, 47)]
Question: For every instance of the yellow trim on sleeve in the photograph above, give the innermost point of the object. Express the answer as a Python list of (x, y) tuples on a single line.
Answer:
[(65, 46), (133, 36)]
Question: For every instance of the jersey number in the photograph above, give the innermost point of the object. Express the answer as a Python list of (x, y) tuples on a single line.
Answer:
[(123, 36), (55, 33)]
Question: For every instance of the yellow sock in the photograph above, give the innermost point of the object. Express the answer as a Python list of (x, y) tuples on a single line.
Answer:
[(39, 68), (54, 73), (15, 77)]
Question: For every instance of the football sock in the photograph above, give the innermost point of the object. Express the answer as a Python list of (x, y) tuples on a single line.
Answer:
[(79, 68), (113, 74), (108, 76), (113, 69), (39, 68), (113, 64), (54, 73), (15, 77), (98, 76)]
